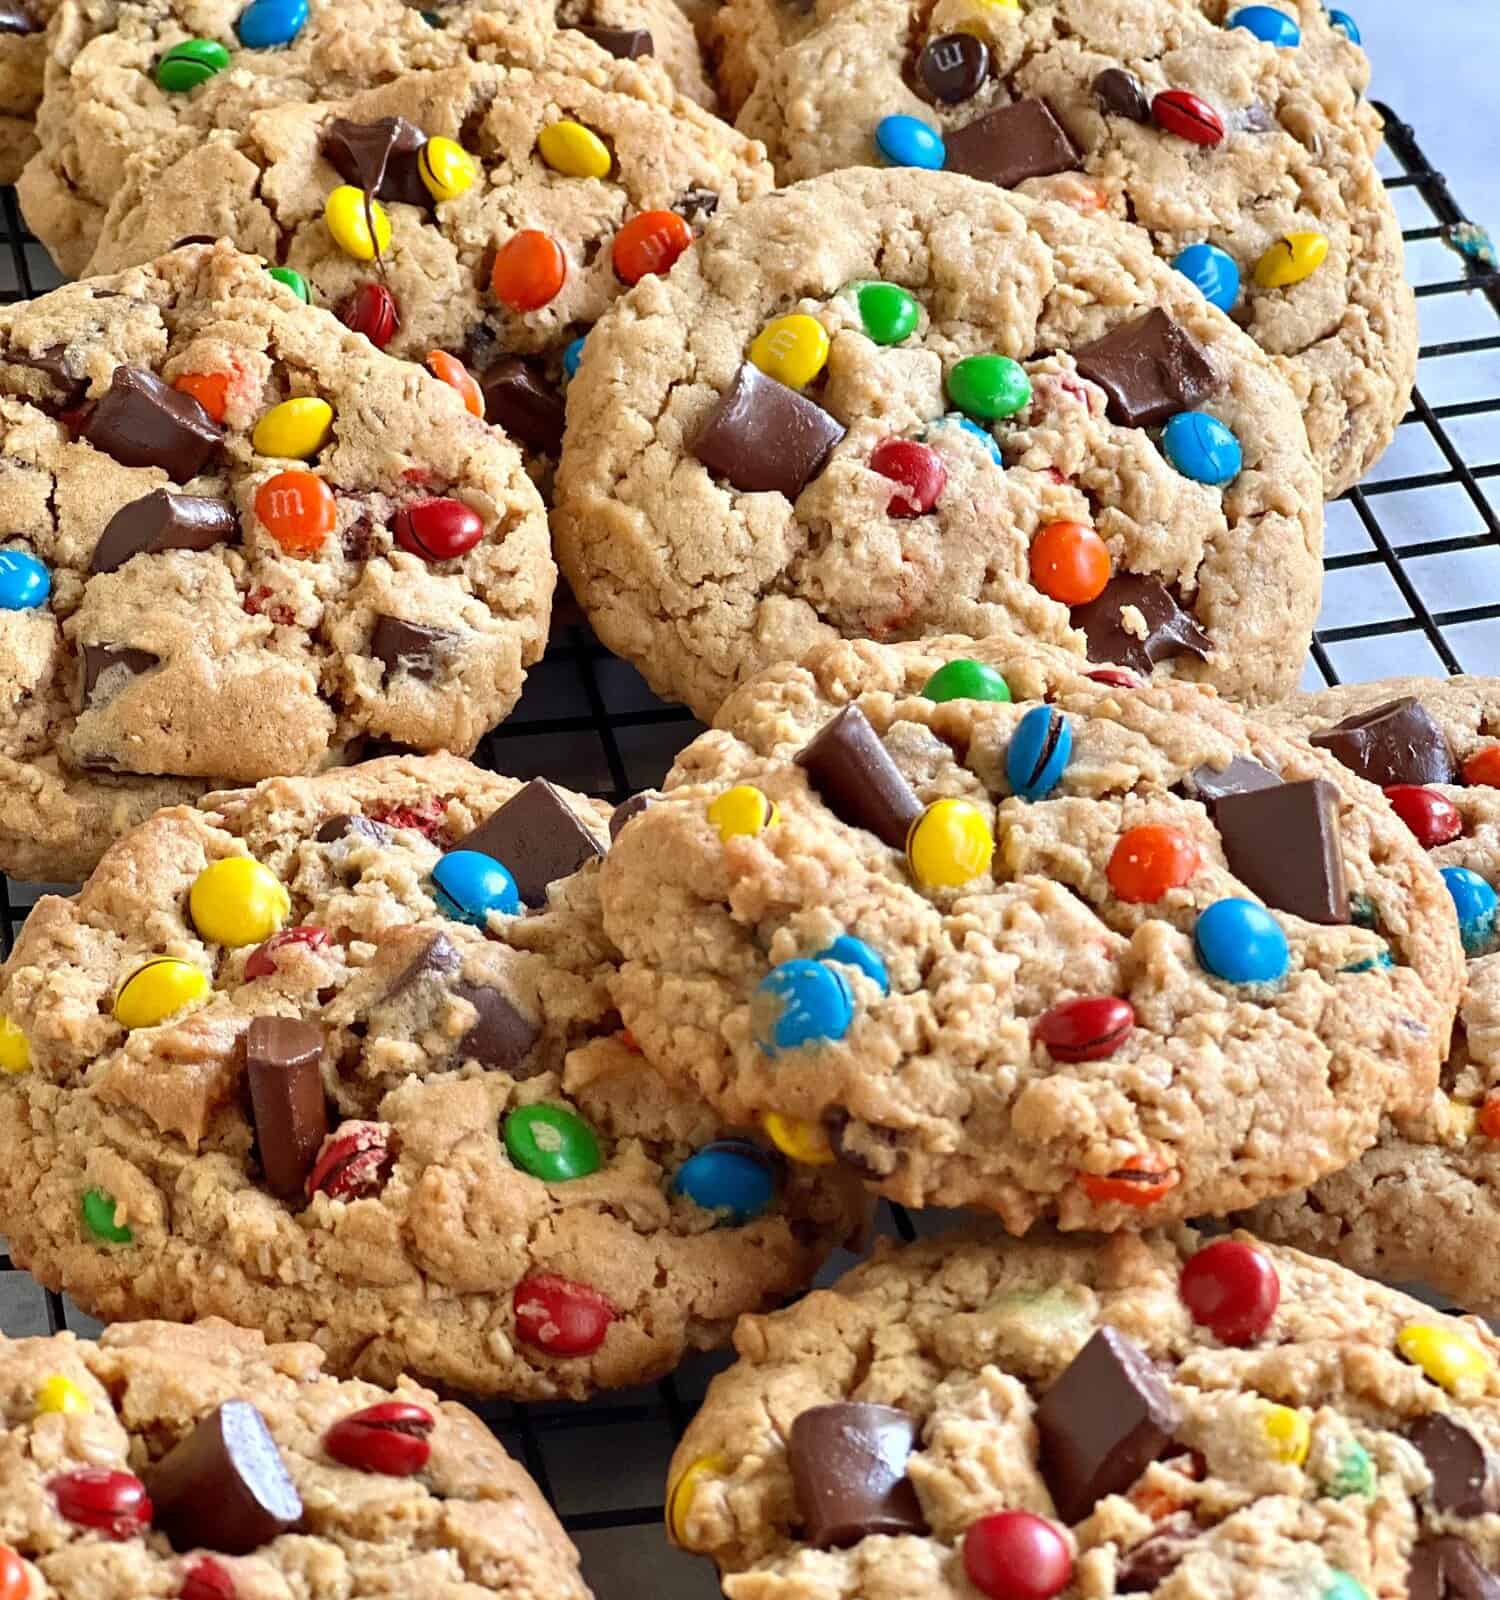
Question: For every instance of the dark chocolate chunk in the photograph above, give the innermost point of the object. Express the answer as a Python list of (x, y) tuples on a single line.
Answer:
[(1170, 631), (161, 521), (440, 955), (954, 66), (848, 1466), (1283, 844), (341, 826), (1397, 742), (1120, 94), (1457, 1462), (537, 837), (101, 658), (224, 1487), (143, 422), (1241, 776), (408, 646), (627, 44), (1149, 369), (502, 1036), (520, 400), (764, 437), (854, 776), (628, 810), (15, 18), (1102, 1423), (282, 1056), (1446, 1568), (697, 205), (52, 362), (1012, 143), (1156, 1557), (379, 157)]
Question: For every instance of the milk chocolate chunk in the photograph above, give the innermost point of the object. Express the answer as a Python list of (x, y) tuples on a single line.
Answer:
[(953, 66), (379, 157), (101, 658), (848, 1466), (764, 437), (1170, 631), (282, 1056), (502, 1036), (537, 837), (1445, 1568), (1120, 94), (853, 773), (628, 810), (1457, 1462), (520, 400), (225, 1486), (1149, 370), (409, 646), (15, 18), (1102, 1423), (626, 44), (1012, 143), (1283, 844), (1211, 784), (163, 520), (1397, 742), (143, 422)]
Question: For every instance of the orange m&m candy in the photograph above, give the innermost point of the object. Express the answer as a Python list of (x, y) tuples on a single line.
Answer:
[(1137, 1183), (650, 242), (14, 1584), (1483, 767), (529, 270), (209, 389), (298, 511), (457, 376), (1149, 860), (1489, 1116), (1069, 563)]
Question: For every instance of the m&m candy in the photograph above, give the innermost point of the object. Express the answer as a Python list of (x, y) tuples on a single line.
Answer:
[(15, 1049), (649, 242), (268, 23), (1268, 24), (1345, 24), (801, 1003), (298, 510), (293, 280), (1483, 767), (966, 680), (1232, 1289), (571, 356), (1149, 860), (296, 428), (1474, 902), (799, 1140), (908, 142), (158, 989), (955, 419), (1451, 1359), (58, 1395), (560, 1316), (1287, 1432), (189, 63), (1039, 752), (1431, 816), (682, 1493), (887, 312), (1069, 563), (446, 169), (440, 529), (25, 581), (1241, 942), (1214, 272), (357, 223), (1183, 113), (856, 953), (1016, 1555), (371, 310), (741, 812), (470, 886), (989, 387), (551, 1143), (729, 1176), (573, 150), (1292, 258), (457, 376), (1202, 448), (950, 844), (529, 270), (98, 1212), (1089, 1028), (237, 901), (792, 349), (916, 469)]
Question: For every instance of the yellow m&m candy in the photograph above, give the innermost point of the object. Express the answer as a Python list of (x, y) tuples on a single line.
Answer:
[(950, 844), (799, 1140), (15, 1051), (742, 810), (793, 350), (1448, 1357), (56, 1393), (573, 150), (1292, 258), (446, 168), (296, 428), (237, 901), (680, 1496), (158, 990), (1288, 1433), (359, 226)]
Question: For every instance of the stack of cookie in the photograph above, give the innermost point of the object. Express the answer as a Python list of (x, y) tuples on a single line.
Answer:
[(953, 433)]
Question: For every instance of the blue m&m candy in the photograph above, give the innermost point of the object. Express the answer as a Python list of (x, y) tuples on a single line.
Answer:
[(1345, 24), (730, 1176), (854, 952), (1040, 749), (1476, 903), (1241, 942), (800, 1003), (983, 435), (24, 581), (471, 884), (1213, 272), (1202, 448), (268, 23), (572, 355), (908, 142), (1267, 23)]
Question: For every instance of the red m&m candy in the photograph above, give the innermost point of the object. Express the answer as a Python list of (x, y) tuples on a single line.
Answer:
[(916, 469), (1188, 117), (112, 1503), (207, 1580), (559, 1316), (1013, 1555), (261, 962), (1433, 817), (1087, 1029), (371, 310), (437, 530), (1149, 860), (390, 1438), (1232, 1289), (650, 242)]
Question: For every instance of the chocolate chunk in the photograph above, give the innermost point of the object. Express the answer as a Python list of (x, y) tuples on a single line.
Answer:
[(1102, 1423), (439, 956), (1283, 844), (1447, 1569), (1397, 742), (954, 66), (764, 437), (1156, 1557), (15, 18), (502, 1036), (1457, 1462), (282, 1056), (854, 776), (53, 364), (161, 521), (408, 646), (848, 1466), (697, 205), (1241, 776), (628, 810), (143, 422), (1012, 143), (1170, 631), (1150, 369), (101, 658), (224, 1487), (379, 157), (860, 1146), (627, 44), (1120, 94), (340, 827), (528, 407), (192, 238), (537, 837)]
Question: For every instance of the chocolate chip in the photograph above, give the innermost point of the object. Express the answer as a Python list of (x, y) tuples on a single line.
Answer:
[(15, 18), (1156, 1557), (224, 1487), (697, 205), (1170, 631), (1241, 776), (628, 810), (340, 827), (163, 520), (854, 776), (1120, 94), (1457, 1462), (1447, 1569), (380, 157), (282, 1056), (191, 238), (537, 837), (763, 436), (627, 44), (1283, 844), (1012, 143), (409, 646), (848, 1466), (1397, 742), (52, 362), (101, 658), (954, 66), (142, 422), (520, 400), (1150, 369), (1102, 1423), (502, 1036)]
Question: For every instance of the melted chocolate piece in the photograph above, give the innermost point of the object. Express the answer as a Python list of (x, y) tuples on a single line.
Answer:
[(1397, 742), (764, 437), (142, 422), (953, 67), (502, 1036), (380, 157), (520, 400), (1120, 94), (1012, 143), (1241, 776), (1149, 369), (101, 658), (855, 777), (626, 44), (1283, 844), (1457, 1462), (163, 520), (628, 810), (409, 646), (282, 1057), (53, 364), (537, 837), (848, 1464), (1445, 1568), (1170, 631)]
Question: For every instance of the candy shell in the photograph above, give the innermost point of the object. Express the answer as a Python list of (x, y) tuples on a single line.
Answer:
[(296, 429), (1214, 272), (571, 356), (158, 989), (1345, 24), (98, 1212), (58, 1395), (680, 1496), (1016, 1555), (551, 1143), (909, 142), (916, 469), (237, 901), (966, 680), (1268, 25), (950, 844), (25, 582), (799, 1140), (1039, 752), (446, 169), (189, 63), (15, 1049), (1241, 942), (887, 312), (791, 349), (729, 1176), (955, 419), (1292, 258), (1453, 1360), (357, 225), (989, 387), (1475, 903), (742, 811), (854, 952), (801, 1003), (293, 280), (1180, 112), (268, 23), (1202, 448), (471, 885)]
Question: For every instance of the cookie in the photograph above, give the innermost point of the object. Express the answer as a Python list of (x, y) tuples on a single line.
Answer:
[(1149, 1415), (239, 541), (1250, 169), (889, 404), (125, 74), (336, 1057), (204, 1462), (994, 933), (1422, 1204), (23, 58)]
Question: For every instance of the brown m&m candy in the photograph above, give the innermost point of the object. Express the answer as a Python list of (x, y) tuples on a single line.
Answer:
[(1170, 630), (854, 776), (1120, 94), (1398, 742), (163, 520), (764, 437), (848, 1466), (1457, 1462), (953, 66), (1282, 843), (142, 422), (410, 647), (283, 1058), (1149, 369), (537, 837), (1012, 143)]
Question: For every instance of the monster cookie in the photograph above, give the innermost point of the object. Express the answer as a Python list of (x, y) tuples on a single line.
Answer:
[(989, 931), (336, 1057), (207, 1464), (1250, 167), (1136, 1416), (888, 404)]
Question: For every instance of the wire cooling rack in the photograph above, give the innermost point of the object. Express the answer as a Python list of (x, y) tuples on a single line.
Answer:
[(1410, 556)]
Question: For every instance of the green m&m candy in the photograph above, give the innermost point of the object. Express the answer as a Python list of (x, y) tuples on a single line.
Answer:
[(989, 387), (966, 680), (294, 281), (99, 1218), (551, 1143), (190, 63), (1354, 1473), (888, 312)]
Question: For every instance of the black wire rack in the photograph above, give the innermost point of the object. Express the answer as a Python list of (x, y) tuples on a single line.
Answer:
[(1407, 555)]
